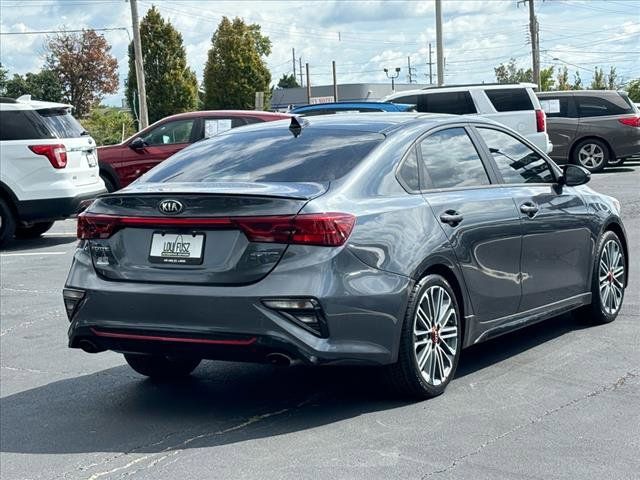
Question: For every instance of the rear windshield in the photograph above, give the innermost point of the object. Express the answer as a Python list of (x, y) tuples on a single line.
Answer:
[(22, 125), (269, 155), (60, 121), (510, 99)]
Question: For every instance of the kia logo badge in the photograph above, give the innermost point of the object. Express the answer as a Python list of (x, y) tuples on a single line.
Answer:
[(170, 207)]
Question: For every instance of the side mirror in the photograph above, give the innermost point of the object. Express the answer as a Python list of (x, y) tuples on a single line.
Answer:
[(137, 144), (574, 175)]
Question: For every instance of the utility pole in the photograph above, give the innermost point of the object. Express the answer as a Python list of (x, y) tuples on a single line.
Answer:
[(410, 70), (439, 46), (535, 41), (308, 85), (300, 70), (335, 83), (430, 65), (137, 49), (293, 53)]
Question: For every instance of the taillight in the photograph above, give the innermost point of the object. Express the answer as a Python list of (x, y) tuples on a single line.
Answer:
[(323, 229), (57, 154), (630, 121), (541, 119)]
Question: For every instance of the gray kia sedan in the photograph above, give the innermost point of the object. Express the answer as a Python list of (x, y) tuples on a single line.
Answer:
[(378, 239), (592, 128)]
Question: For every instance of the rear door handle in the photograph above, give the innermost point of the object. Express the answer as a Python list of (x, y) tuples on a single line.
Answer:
[(529, 208), (451, 217)]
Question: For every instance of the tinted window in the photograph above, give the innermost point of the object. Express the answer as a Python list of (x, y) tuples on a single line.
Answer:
[(408, 172), (517, 162), (170, 133), (22, 125), (509, 99), (269, 155), (412, 99), (451, 160), (596, 107), (213, 126), (458, 103), (62, 122), (555, 107)]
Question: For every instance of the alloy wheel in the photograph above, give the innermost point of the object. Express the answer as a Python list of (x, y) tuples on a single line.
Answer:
[(435, 335), (611, 277), (591, 155)]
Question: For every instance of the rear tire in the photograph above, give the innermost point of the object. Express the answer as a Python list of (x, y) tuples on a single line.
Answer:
[(608, 282), (7, 223), (160, 367), (430, 341), (34, 230), (108, 183), (591, 154)]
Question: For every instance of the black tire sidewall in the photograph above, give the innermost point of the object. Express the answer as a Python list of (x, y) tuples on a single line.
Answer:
[(108, 183), (602, 145), (33, 231), (8, 228)]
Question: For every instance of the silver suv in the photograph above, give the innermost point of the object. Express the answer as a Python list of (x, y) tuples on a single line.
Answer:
[(515, 106), (592, 128)]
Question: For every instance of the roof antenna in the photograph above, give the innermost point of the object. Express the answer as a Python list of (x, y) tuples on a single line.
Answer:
[(296, 126)]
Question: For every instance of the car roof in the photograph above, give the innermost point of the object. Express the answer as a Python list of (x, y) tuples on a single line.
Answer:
[(228, 113), (319, 106), (586, 93), (460, 88), (25, 102)]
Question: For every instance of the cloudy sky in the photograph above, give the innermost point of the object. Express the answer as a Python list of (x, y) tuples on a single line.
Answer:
[(363, 37)]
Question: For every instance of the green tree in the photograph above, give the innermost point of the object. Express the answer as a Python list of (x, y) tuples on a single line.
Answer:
[(612, 79), (510, 73), (577, 81), (108, 125), (288, 81), (4, 75), (235, 68), (633, 89), (547, 81), (43, 85), (598, 82), (84, 66), (171, 85), (563, 79)]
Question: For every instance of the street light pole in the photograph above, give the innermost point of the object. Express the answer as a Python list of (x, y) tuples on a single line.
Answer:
[(392, 77)]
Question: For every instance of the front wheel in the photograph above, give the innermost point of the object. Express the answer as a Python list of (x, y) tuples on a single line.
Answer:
[(430, 342), (34, 230), (160, 367)]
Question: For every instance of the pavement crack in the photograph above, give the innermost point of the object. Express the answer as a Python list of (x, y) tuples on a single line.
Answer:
[(618, 383)]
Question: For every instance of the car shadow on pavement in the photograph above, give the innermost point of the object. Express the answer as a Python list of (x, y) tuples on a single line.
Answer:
[(20, 245), (115, 410)]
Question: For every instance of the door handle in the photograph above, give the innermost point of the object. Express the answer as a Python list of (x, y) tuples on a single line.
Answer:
[(451, 217), (529, 209)]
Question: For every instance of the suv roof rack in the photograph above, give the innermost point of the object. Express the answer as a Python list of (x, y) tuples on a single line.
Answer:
[(8, 100)]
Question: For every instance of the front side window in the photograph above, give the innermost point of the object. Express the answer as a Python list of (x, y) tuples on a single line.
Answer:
[(516, 161), (170, 133), (451, 160)]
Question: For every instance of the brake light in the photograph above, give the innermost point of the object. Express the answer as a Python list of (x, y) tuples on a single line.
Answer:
[(541, 119), (630, 121), (323, 229), (57, 154)]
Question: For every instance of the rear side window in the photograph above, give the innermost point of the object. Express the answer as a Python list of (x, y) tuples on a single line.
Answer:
[(61, 122), (510, 99), (22, 125), (555, 107), (451, 160), (269, 155), (597, 107), (408, 172), (517, 162), (412, 99), (457, 103)]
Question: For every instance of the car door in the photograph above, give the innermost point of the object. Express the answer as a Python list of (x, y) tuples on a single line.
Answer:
[(562, 124), (556, 239), (478, 217), (159, 144)]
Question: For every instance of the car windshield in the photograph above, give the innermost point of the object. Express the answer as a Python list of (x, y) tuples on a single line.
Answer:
[(269, 155), (62, 123)]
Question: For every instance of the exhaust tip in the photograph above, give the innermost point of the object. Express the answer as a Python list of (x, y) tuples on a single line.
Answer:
[(279, 359)]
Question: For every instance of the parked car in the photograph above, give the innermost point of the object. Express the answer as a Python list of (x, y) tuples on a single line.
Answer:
[(515, 106), (123, 163), (351, 107), (48, 166), (379, 239), (592, 128)]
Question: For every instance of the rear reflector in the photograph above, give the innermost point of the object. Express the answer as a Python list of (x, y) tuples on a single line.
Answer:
[(541, 119), (323, 229), (630, 121), (57, 154)]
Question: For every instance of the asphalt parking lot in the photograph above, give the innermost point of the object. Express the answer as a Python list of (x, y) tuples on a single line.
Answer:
[(556, 400)]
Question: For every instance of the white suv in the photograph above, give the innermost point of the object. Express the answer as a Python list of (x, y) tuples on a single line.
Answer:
[(515, 106), (48, 166)]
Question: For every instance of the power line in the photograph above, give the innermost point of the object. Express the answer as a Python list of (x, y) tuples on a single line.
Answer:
[(41, 32)]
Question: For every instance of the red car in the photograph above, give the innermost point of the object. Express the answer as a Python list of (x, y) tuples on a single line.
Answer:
[(121, 164)]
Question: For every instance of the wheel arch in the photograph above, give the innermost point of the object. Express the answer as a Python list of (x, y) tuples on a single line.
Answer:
[(108, 171), (576, 142)]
